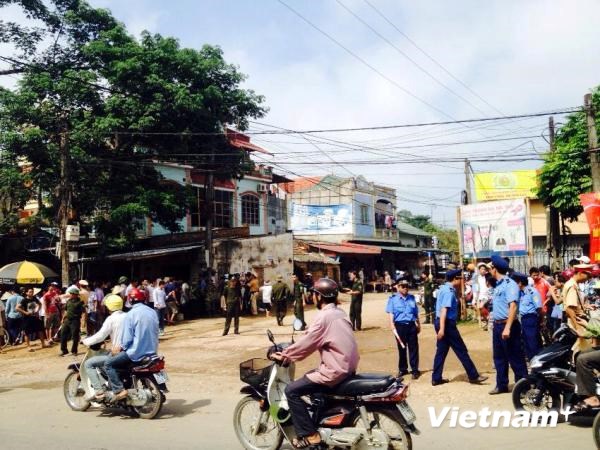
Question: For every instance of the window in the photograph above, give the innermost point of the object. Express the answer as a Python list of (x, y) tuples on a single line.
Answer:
[(221, 209), (250, 210), (364, 215)]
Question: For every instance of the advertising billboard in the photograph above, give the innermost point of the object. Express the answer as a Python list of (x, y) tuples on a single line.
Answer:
[(314, 219), (505, 185), (494, 227)]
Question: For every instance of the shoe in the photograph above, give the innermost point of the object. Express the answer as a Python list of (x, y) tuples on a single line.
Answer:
[(480, 379), (402, 373), (63, 354), (236, 332), (74, 353), (121, 395), (438, 382), (225, 333), (416, 375), (161, 332), (497, 391)]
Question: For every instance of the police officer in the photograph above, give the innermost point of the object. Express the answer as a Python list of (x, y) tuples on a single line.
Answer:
[(448, 337), (233, 301), (428, 300), (404, 322), (298, 293), (356, 298), (530, 313), (280, 295), (507, 330)]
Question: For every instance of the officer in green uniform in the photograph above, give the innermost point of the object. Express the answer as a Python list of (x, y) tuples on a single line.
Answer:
[(233, 301), (427, 295), (356, 298), (280, 295), (298, 290)]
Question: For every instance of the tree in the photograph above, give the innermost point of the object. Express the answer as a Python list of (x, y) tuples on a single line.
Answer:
[(447, 238), (115, 104), (566, 172)]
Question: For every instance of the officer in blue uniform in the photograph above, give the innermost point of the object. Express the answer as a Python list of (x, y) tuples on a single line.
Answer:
[(448, 337), (404, 320), (530, 311), (507, 330)]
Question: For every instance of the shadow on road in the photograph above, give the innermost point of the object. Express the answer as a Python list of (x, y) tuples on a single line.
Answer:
[(179, 408)]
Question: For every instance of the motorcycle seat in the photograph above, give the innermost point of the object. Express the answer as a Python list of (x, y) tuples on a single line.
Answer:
[(146, 361), (363, 384)]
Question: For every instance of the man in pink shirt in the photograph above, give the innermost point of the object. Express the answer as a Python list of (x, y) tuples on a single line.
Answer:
[(331, 334)]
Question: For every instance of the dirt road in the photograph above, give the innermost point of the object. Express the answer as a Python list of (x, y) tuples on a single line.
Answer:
[(204, 385)]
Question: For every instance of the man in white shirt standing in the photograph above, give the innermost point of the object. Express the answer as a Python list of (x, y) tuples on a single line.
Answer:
[(160, 305), (481, 292), (266, 292), (113, 327)]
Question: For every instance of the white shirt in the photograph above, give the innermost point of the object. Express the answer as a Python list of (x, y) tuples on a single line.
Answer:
[(113, 327), (160, 298), (266, 293), (483, 289)]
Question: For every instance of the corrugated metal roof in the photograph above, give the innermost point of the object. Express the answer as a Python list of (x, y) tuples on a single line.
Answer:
[(404, 227), (144, 254), (347, 248), (315, 257)]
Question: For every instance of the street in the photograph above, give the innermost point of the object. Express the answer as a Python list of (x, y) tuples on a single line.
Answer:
[(204, 386)]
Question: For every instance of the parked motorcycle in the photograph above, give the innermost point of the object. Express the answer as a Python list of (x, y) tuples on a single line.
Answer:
[(552, 379), (145, 382), (363, 412)]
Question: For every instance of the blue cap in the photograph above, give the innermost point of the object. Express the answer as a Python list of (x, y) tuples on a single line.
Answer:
[(499, 262), (520, 277), (452, 274)]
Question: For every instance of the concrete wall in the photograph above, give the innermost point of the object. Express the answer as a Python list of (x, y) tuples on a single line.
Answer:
[(538, 221), (267, 256)]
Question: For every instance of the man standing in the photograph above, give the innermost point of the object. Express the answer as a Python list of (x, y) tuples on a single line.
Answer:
[(428, 300), (281, 294), (356, 298), (32, 324), (298, 300), (71, 322), (448, 336), (139, 339), (233, 301), (51, 300), (160, 305), (252, 285), (14, 319), (404, 322), (507, 329), (530, 308)]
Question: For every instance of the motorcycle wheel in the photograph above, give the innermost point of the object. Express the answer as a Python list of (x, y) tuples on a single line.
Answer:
[(525, 391), (390, 422), (152, 408), (75, 393), (245, 417), (596, 430)]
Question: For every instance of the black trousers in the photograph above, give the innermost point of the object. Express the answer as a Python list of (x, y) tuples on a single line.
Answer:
[(586, 363), (281, 307), (356, 313), (233, 312), (303, 423), (428, 305), (408, 334), (70, 330)]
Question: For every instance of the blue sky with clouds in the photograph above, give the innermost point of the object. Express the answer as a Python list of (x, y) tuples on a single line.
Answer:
[(518, 56)]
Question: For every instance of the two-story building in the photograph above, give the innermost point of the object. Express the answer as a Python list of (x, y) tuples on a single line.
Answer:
[(354, 221)]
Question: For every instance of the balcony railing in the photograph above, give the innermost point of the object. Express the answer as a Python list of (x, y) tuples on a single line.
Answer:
[(386, 233)]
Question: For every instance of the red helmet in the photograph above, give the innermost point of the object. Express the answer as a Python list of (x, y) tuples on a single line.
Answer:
[(137, 295)]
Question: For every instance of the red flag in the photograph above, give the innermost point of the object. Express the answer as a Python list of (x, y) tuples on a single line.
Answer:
[(591, 207)]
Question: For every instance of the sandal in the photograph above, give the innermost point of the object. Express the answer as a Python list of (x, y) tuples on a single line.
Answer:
[(303, 442), (582, 406)]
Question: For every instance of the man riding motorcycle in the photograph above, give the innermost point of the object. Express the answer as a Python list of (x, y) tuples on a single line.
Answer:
[(585, 367), (139, 339), (331, 334), (113, 327)]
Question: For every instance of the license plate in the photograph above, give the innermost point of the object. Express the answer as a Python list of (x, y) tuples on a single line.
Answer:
[(407, 412), (161, 377)]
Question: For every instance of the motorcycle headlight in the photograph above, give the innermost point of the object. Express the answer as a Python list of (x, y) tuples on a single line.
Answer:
[(535, 363)]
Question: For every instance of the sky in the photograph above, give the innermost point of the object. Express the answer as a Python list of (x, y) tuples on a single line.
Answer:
[(401, 62)]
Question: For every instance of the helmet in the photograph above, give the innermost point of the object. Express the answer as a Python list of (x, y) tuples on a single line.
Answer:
[(113, 302), (137, 295), (73, 290), (326, 287), (123, 280)]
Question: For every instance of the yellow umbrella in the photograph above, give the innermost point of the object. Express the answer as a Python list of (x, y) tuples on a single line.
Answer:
[(25, 272)]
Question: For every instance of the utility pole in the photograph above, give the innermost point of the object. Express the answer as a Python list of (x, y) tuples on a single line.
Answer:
[(468, 181), (64, 206), (553, 223), (592, 141)]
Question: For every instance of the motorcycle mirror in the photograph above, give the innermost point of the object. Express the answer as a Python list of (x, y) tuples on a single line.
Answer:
[(270, 336), (297, 325)]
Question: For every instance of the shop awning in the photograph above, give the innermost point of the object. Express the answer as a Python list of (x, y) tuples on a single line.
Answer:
[(314, 258), (347, 248), (408, 249), (144, 254)]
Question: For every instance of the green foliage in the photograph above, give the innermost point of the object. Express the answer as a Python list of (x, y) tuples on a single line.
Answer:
[(120, 103), (447, 238), (566, 172), (15, 190)]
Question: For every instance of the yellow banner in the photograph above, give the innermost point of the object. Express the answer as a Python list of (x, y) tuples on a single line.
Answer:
[(505, 185)]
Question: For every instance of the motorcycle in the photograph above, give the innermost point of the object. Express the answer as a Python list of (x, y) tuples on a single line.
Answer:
[(145, 382), (362, 412), (552, 378)]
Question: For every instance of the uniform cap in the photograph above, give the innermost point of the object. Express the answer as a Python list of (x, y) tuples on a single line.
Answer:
[(452, 274), (583, 259), (520, 277), (499, 263), (123, 280), (583, 268), (83, 283)]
